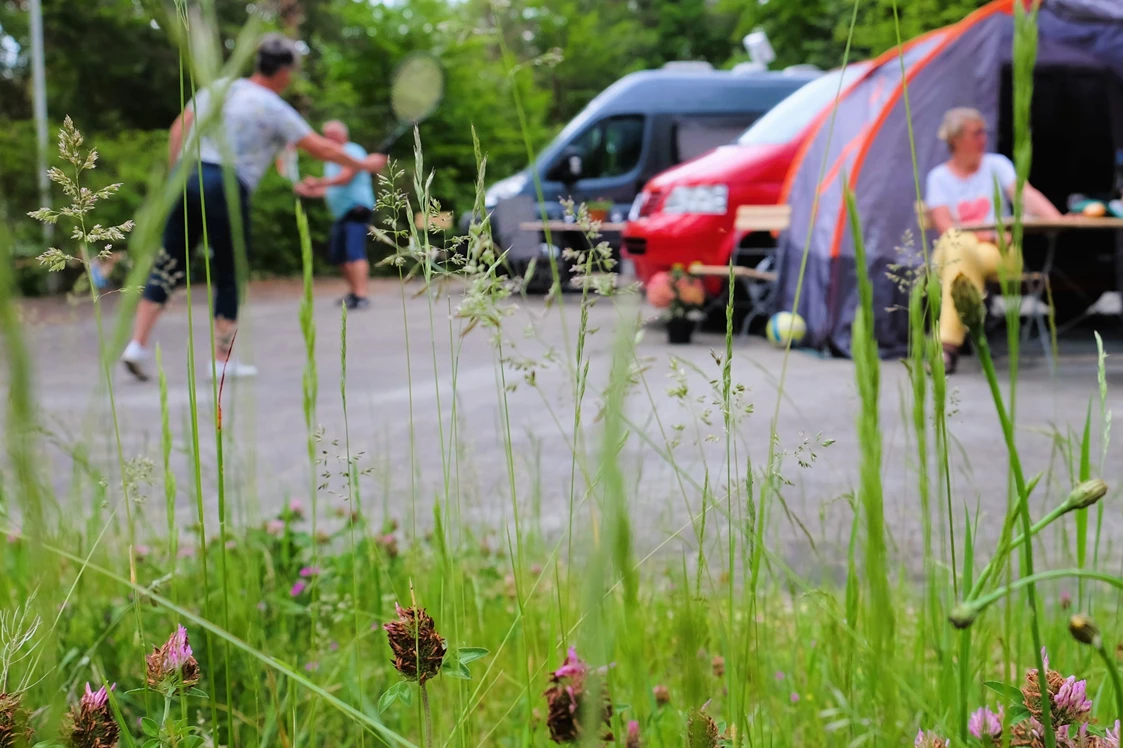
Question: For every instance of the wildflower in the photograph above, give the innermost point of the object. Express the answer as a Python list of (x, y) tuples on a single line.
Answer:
[(296, 509), (1113, 736), (795, 697), (389, 545), (334, 646), (275, 527), (141, 552), (1086, 494), (14, 728), (1066, 600), (662, 695), (985, 725), (262, 606), (633, 735), (1071, 702), (323, 537), (90, 723), (929, 740), (172, 665), (418, 649), (298, 588), (968, 303), (310, 571), (1083, 629), (779, 675), (701, 731), (566, 699), (312, 667), (718, 664)]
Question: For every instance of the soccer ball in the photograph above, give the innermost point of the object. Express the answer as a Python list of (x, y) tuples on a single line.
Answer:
[(785, 326)]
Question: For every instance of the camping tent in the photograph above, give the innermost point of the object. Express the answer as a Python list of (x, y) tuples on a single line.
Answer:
[(1077, 122)]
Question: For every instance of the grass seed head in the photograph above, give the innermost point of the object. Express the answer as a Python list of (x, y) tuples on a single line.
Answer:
[(418, 649), (701, 730)]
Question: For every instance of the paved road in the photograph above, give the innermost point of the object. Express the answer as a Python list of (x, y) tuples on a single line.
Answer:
[(395, 400)]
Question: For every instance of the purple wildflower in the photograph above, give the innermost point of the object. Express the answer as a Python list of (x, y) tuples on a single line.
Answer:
[(275, 527), (310, 571), (795, 697), (298, 588), (929, 740), (172, 665), (633, 740), (296, 509), (1072, 698), (312, 666), (94, 700), (779, 675), (986, 723), (334, 646), (1113, 736), (572, 665)]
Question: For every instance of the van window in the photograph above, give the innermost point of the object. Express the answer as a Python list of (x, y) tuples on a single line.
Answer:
[(612, 147), (788, 118), (695, 135)]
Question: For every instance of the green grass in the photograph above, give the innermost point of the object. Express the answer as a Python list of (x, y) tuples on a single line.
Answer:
[(288, 608)]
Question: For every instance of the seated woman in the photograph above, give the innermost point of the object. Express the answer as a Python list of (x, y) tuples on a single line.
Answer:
[(961, 191)]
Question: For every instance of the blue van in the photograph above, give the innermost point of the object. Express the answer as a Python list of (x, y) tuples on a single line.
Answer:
[(639, 126)]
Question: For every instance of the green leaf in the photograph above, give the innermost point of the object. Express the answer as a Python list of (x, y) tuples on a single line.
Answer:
[(470, 654), (1013, 695), (198, 692), (1018, 714), (393, 693), (192, 741), (456, 669), (149, 727), (405, 693), (153, 743)]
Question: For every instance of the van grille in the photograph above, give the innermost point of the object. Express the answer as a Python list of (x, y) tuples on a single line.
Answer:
[(635, 247)]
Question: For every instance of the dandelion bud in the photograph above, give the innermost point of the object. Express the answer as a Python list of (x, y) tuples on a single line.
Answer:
[(1083, 629), (1086, 494), (91, 723), (968, 303), (662, 695), (172, 666), (418, 649), (963, 615)]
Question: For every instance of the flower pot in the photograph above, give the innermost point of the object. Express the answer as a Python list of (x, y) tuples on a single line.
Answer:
[(679, 330), (598, 214)]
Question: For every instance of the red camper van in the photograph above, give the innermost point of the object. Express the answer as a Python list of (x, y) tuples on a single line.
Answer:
[(685, 214)]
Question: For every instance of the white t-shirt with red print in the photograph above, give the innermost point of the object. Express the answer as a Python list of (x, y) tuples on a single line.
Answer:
[(971, 199)]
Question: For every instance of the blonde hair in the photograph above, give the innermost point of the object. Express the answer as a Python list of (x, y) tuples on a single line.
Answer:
[(955, 120)]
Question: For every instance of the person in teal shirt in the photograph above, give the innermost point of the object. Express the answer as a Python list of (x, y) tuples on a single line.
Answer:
[(349, 195)]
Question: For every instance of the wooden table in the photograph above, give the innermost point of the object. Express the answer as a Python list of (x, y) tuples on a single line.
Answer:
[(561, 227)]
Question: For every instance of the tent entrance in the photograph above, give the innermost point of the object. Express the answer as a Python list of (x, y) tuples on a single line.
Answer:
[(1076, 118)]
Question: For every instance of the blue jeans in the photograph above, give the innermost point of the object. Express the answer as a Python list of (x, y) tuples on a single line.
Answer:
[(184, 231)]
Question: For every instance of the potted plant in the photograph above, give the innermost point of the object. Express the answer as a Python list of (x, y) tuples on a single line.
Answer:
[(599, 209), (687, 295)]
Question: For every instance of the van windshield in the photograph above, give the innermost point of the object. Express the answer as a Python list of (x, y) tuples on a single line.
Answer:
[(787, 119)]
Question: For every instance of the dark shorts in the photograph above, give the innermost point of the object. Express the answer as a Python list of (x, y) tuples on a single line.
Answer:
[(349, 237), (204, 198)]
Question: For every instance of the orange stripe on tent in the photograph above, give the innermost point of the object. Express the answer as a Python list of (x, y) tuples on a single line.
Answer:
[(954, 33), (822, 117), (838, 163)]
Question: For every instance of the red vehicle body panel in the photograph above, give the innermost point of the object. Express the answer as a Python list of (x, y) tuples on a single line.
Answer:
[(755, 176)]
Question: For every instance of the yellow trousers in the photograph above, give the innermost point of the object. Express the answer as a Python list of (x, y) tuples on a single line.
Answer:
[(962, 252)]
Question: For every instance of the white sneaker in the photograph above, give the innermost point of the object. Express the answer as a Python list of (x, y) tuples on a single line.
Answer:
[(136, 358), (234, 368)]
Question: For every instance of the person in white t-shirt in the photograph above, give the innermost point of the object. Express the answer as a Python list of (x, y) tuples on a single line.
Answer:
[(962, 191)]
